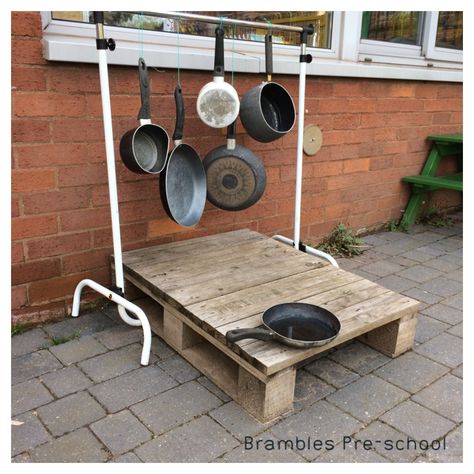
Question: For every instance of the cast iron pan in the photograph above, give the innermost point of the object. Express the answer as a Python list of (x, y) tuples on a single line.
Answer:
[(299, 325)]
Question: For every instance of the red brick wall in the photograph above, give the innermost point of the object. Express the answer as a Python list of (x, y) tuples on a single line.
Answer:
[(374, 133)]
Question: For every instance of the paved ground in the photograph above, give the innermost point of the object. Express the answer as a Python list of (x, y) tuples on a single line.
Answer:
[(90, 400)]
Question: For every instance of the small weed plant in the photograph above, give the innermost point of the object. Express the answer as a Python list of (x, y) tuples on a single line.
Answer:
[(342, 242)]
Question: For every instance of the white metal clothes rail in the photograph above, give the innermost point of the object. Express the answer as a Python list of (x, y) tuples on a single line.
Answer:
[(116, 294)]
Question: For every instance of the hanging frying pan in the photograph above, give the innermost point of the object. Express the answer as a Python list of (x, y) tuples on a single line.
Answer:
[(183, 181), (236, 177), (144, 149), (218, 102), (267, 111), (299, 325)]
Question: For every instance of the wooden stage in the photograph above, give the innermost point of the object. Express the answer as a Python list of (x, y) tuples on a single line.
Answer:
[(198, 289)]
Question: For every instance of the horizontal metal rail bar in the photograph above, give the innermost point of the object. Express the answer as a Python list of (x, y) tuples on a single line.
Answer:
[(223, 20)]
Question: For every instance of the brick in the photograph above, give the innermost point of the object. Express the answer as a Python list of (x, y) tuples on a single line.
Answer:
[(332, 105), (66, 79), (76, 130), (82, 175), (390, 148), (187, 444), (58, 245), (73, 198), (36, 104), (84, 219), (26, 24), (31, 271), (28, 79), (347, 88), (19, 296), (355, 166), (402, 90), (26, 227), (360, 105), (344, 121), (163, 226), (124, 106), (136, 232), (28, 130), (50, 154), (39, 313), (89, 260), (27, 51)]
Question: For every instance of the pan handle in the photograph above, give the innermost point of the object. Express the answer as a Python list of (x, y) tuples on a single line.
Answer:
[(144, 113), (179, 125), (268, 56), (231, 133), (219, 53), (235, 335)]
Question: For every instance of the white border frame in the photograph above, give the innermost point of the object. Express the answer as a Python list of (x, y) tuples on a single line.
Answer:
[(348, 55)]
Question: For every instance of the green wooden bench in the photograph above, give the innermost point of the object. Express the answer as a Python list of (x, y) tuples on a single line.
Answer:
[(443, 145)]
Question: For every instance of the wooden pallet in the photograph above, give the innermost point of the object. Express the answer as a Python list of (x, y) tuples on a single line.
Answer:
[(200, 288)]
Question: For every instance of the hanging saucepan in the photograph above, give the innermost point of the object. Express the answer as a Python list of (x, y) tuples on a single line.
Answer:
[(299, 325), (183, 181), (144, 149), (267, 111), (236, 177), (218, 102)]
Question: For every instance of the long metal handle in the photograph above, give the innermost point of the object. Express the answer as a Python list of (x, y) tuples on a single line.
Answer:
[(144, 112), (219, 53)]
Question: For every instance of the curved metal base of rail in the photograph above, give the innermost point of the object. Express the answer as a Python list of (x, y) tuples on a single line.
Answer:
[(123, 305), (307, 249)]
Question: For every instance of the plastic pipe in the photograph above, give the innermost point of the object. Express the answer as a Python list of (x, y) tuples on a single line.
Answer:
[(308, 249), (122, 302)]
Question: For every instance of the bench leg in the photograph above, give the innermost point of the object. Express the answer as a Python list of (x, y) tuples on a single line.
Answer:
[(394, 338), (413, 209), (266, 401)]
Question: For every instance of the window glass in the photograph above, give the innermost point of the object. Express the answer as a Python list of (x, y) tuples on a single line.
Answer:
[(322, 20), (449, 30), (394, 27)]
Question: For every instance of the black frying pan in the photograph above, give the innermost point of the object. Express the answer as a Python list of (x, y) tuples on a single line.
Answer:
[(183, 181), (299, 325)]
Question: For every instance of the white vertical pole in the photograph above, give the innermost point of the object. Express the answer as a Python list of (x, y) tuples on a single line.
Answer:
[(299, 148)]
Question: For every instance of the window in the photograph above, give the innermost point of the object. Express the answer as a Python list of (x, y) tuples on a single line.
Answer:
[(393, 44)]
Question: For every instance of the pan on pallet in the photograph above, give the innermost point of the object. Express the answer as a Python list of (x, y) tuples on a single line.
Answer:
[(144, 149), (236, 177), (298, 325), (267, 111), (183, 181)]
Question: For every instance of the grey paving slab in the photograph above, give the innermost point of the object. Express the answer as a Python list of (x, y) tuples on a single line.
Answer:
[(444, 313), (121, 432), (411, 371), (309, 389), (417, 255), (403, 261), (455, 301), (420, 273), (427, 328), (119, 336), (417, 421), (454, 448), (161, 349), (131, 388), (445, 349), (396, 283), (350, 452), (78, 446), (77, 350), (331, 372), (399, 247), (322, 420), (385, 440), (389, 236), (442, 286), (383, 268), (179, 369), (70, 413), (32, 365), (237, 421), (127, 458), (444, 397), (84, 324), (65, 381), (456, 330), (174, 407), (264, 448), (21, 458), (187, 443), (30, 341), (455, 275), (374, 240), (205, 382), (28, 395), (441, 264), (427, 236), (359, 358), (27, 432), (458, 371), (348, 263), (368, 397), (361, 272), (114, 363), (422, 295), (434, 250)]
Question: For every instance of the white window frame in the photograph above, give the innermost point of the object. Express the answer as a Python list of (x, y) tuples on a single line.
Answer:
[(348, 55)]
